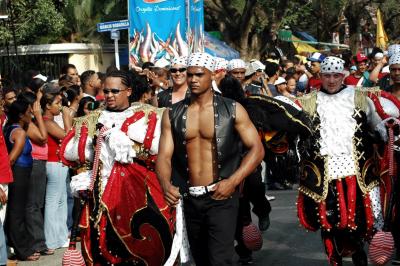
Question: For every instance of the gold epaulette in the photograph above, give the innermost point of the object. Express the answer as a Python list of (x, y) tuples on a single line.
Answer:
[(147, 108), (361, 94), (89, 120), (309, 102)]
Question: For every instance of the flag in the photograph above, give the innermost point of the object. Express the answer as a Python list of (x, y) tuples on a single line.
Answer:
[(381, 37), (302, 47)]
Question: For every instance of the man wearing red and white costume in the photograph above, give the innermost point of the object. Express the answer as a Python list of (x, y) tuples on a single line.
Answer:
[(125, 218)]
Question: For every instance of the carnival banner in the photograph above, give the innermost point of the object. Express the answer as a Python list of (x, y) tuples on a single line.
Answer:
[(164, 29), (157, 29), (196, 29)]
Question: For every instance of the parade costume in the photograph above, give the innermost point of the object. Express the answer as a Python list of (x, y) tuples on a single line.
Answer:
[(125, 220), (279, 121), (339, 191), (386, 117), (271, 117)]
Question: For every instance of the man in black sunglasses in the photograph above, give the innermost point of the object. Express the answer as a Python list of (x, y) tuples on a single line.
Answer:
[(116, 93), (179, 87), (125, 189)]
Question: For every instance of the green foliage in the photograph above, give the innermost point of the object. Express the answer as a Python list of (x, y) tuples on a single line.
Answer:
[(297, 15), (34, 22), (83, 16), (391, 15), (46, 21)]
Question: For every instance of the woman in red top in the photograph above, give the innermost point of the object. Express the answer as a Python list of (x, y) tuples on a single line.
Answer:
[(55, 213), (5, 178)]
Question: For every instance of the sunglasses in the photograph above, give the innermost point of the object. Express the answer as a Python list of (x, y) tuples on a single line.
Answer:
[(175, 70), (113, 91)]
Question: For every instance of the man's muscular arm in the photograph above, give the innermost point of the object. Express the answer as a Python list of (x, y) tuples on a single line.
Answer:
[(253, 158), (163, 164)]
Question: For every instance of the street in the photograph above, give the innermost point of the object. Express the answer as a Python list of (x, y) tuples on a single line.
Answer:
[(285, 243)]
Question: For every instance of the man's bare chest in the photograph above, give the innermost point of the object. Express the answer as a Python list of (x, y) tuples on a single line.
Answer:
[(200, 123)]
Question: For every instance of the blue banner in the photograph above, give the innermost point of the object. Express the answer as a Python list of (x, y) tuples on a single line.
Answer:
[(196, 29), (218, 48), (157, 30)]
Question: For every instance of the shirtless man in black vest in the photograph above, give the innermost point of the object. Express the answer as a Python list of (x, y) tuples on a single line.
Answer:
[(200, 152)]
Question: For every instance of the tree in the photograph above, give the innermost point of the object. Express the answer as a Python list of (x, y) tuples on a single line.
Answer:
[(31, 22), (83, 15), (250, 26), (391, 16)]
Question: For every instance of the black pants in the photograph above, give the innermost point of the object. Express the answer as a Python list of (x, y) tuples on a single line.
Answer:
[(16, 230), (254, 192), (211, 228), (35, 205)]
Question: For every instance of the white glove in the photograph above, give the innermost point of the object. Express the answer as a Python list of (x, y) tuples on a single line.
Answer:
[(80, 182), (382, 129), (120, 145)]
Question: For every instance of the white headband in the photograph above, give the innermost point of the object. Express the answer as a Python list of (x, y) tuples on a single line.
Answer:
[(236, 63), (180, 60), (332, 64), (394, 59), (220, 63), (393, 49), (202, 60)]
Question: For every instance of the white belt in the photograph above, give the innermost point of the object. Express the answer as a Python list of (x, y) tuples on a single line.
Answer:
[(200, 190)]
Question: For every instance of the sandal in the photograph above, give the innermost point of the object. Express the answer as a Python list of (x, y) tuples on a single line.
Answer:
[(47, 252), (33, 257)]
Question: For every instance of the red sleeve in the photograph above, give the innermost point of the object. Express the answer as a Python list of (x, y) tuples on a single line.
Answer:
[(5, 168), (351, 80), (382, 75)]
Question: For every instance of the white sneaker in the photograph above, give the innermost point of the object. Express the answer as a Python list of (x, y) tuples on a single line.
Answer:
[(270, 198)]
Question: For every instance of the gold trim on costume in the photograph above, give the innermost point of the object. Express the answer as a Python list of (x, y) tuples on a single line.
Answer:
[(283, 109), (89, 120), (361, 94), (309, 102)]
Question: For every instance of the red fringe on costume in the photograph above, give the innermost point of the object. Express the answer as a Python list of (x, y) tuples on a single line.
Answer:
[(82, 144), (341, 204), (322, 216), (300, 213), (351, 201)]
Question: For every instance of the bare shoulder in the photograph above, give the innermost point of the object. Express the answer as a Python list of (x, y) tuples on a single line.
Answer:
[(18, 133), (241, 113), (165, 118)]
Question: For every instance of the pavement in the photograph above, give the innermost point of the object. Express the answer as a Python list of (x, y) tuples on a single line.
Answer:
[(285, 243)]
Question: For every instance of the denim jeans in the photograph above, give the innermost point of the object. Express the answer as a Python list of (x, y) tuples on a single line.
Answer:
[(56, 209), (3, 246)]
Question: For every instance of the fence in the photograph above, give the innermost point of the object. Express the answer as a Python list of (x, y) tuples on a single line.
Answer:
[(12, 67)]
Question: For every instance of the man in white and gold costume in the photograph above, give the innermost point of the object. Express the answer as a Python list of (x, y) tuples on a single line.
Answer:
[(125, 220), (339, 181)]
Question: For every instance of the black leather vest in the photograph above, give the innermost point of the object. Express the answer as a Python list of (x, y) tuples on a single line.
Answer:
[(228, 144), (164, 98)]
